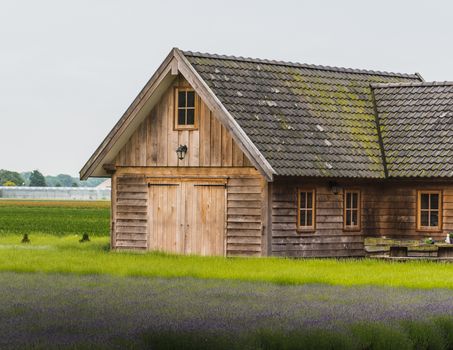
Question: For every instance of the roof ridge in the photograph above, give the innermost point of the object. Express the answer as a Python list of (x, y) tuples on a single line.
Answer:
[(418, 84), (300, 65)]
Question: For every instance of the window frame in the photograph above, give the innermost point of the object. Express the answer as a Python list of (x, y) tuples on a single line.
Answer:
[(357, 227), (311, 228), (176, 124), (437, 228)]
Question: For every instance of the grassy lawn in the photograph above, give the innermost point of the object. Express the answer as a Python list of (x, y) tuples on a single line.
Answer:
[(47, 253), (55, 228), (161, 301)]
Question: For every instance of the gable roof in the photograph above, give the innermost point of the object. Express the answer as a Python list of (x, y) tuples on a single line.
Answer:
[(416, 122), (294, 119), (175, 63), (306, 120)]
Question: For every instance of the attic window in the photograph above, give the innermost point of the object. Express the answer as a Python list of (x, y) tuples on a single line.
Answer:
[(185, 111)]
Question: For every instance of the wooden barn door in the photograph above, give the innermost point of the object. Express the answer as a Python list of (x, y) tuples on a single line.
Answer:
[(205, 218), (165, 217), (187, 217)]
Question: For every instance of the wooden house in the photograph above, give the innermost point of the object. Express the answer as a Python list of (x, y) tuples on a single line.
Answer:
[(222, 155)]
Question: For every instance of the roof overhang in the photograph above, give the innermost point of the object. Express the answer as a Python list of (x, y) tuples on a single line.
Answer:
[(140, 108)]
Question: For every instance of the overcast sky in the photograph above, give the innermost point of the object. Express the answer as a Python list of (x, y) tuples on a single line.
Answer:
[(69, 69)]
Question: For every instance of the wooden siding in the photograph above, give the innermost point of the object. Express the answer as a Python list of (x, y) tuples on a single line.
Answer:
[(246, 206), (130, 212), (245, 216), (155, 141), (390, 210), (328, 239), (212, 153)]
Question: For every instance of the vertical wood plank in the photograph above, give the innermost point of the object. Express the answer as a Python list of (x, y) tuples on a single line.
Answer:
[(142, 150), (216, 141), (154, 138), (205, 135), (172, 145), (162, 133), (148, 143), (227, 148), (238, 156), (194, 141), (136, 147)]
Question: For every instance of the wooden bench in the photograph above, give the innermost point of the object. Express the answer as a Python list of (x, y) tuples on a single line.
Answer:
[(398, 252), (445, 252)]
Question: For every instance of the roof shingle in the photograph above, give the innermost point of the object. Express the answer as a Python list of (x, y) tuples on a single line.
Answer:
[(306, 120), (416, 123)]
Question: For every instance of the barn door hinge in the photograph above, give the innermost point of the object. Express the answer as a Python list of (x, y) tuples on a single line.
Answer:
[(151, 184), (210, 185)]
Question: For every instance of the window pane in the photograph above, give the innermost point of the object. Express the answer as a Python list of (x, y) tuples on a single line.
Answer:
[(182, 116), (190, 99), (303, 217), (348, 218), (434, 219), (309, 200), (302, 200), (355, 198), (309, 218), (434, 201), (354, 218), (181, 98), (424, 200), (424, 218), (190, 116), (348, 199)]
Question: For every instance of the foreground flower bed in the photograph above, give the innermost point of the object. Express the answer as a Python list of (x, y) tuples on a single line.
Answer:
[(74, 311)]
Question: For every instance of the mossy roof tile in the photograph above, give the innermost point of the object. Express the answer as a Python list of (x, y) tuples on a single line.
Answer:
[(311, 120)]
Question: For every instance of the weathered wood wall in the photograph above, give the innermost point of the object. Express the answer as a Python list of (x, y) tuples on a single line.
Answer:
[(246, 216), (129, 211), (212, 153), (155, 142), (245, 206), (328, 239), (390, 209)]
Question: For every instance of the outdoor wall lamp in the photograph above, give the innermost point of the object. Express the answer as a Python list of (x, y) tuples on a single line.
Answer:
[(334, 187), (181, 151)]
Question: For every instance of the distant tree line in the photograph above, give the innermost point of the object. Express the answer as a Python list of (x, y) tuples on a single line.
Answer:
[(36, 178)]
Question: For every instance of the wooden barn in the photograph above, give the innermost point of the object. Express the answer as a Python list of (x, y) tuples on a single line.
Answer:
[(222, 155)]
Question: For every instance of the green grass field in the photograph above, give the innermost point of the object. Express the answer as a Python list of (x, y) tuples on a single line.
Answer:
[(76, 278), (56, 227), (52, 254), (54, 217)]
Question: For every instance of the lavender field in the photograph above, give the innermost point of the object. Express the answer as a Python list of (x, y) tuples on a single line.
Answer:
[(59, 311)]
